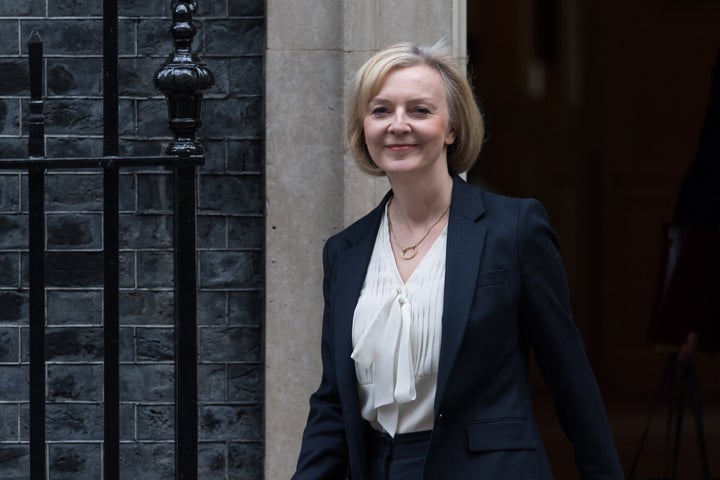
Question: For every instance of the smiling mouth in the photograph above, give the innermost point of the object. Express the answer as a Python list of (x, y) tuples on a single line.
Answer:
[(400, 147)]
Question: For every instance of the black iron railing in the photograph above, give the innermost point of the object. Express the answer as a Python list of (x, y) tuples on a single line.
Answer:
[(183, 78)]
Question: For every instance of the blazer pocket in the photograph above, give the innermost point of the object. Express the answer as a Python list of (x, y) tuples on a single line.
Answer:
[(500, 434), (493, 277)]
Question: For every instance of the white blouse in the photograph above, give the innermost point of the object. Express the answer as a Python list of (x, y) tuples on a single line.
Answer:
[(396, 334)]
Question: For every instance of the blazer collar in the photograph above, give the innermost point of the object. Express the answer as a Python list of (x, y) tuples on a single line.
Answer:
[(465, 245)]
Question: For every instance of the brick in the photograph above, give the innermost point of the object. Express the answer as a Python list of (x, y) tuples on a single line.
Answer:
[(224, 35), (13, 306), (75, 8), (13, 231), (245, 155), (74, 37), (245, 461), (146, 231), (9, 44), (231, 194), (245, 308), (73, 307), (146, 307), (154, 344), (154, 37), (136, 75), (65, 191), (69, 421), (143, 8), (233, 117), (152, 118), (212, 383), (15, 78), (127, 120), (245, 383), (155, 422), (246, 232), (230, 423), (15, 461), (10, 120), (9, 193), (140, 461), (154, 193), (155, 269), (14, 383), (127, 192), (73, 147), (211, 232), (65, 231), (69, 115), (74, 269), (127, 270), (232, 344), (74, 76), (74, 461), (149, 383), (9, 269), (8, 423), (22, 8), (212, 460), (144, 148), (127, 422), (11, 147), (212, 308), (230, 269), (9, 345), (126, 344), (246, 8), (246, 75), (73, 344), (75, 383), (215, 156)]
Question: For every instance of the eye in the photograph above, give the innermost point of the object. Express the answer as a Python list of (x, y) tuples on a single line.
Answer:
[(421, 111), (379, 110)]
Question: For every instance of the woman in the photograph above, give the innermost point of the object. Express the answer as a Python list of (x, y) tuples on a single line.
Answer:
[(433, 300)]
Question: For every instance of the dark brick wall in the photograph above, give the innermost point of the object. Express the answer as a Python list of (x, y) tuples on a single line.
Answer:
[(230, 241)]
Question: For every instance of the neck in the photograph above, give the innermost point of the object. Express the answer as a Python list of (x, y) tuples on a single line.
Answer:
[(419, 201)]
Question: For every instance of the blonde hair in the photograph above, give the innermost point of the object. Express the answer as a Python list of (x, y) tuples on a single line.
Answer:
[(465, 118)]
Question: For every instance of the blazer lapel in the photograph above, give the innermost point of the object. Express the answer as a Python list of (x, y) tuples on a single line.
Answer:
[(465, 243), (350, 269)]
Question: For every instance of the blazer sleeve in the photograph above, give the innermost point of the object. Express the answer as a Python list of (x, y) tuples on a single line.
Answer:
[(559, 350), (324, 451)]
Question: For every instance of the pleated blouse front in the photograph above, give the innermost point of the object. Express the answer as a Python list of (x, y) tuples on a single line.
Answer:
[(396, 334)]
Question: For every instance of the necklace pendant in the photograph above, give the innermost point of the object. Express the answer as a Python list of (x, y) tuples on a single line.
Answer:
[(408, 253)]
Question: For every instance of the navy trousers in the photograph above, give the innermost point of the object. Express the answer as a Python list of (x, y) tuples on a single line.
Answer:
[(399, 458)]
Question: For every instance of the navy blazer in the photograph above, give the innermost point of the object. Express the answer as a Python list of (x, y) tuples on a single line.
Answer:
[(505, 292)]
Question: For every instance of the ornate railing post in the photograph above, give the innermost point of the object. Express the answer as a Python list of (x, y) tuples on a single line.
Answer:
[(183, 79)]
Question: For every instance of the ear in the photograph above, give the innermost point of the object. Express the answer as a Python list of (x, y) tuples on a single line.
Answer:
[(450, 137)]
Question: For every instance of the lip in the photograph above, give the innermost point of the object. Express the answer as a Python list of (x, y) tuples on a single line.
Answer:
[(400, 147)]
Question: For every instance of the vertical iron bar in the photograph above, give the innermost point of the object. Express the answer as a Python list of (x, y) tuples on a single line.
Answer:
[(111, 288), (36, 233), (186, 398)]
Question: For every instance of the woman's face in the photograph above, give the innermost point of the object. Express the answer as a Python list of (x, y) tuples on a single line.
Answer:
[(407, 124)]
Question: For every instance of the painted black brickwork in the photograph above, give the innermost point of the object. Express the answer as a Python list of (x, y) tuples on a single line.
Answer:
[(230, 241)]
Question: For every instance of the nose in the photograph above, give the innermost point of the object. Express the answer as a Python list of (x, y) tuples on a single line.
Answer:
[(399, 123)]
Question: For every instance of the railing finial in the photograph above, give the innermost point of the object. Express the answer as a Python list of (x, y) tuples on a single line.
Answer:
[(183, 79)]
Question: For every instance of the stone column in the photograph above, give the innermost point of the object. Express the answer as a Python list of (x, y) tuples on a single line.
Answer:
[(313, 188)]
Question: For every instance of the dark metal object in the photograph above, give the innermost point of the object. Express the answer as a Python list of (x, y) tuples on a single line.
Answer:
[(111, 246), (183, 79), (36, 236)]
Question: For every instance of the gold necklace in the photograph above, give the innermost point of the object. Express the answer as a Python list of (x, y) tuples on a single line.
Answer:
[(412, 249)]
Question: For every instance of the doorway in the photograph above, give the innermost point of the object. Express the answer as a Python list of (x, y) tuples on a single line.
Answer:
[(595, 109)]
